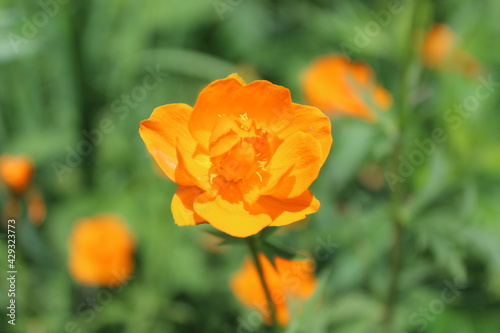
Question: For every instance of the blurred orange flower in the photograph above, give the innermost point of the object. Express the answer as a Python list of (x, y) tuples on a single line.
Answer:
[(16, 172), (290, 282), (441, 50), (101, 251), (336, 85), (438, 45), (243, 157)]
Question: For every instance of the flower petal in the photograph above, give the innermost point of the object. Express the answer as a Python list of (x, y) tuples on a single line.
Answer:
[(286, 211), (167, 124), (334, 84), (226, 211), (298, 276), (310, 120), (182, 205), (263, 102), (207, 108), (193, 166), (247, 287), (294, 166), (382, 98)]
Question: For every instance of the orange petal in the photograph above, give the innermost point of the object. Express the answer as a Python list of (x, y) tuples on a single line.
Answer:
[(167, 124), (248, 289), (334, 84), (382, 98), (226, 211), (182, 205), (312, 121), (192, 167), (16, 172), (361, 72), (290, 280), (207, 108), (294, 166), (324, 84), (286, 211), (261, 101), (298, 276), (438, 45), (101, 251)]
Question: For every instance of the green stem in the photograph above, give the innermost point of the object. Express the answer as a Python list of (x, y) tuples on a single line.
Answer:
[(252, 245), (397, 195)]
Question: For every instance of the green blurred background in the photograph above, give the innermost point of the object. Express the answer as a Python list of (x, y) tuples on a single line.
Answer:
[(67, 65)]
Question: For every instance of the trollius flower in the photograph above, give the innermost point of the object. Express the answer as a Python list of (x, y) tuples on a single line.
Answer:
[(243, 157), (338, 86), (442, 49), (16, 172), (101, 251), (438, 45), (290, 282)]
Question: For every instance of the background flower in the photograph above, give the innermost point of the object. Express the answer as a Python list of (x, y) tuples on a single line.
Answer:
[(101, 251), (16, 172), (289, 281), (442, 49), (336, 85)]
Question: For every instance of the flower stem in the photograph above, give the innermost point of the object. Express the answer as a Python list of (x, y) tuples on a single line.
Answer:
[(398, 193), (253, 246)]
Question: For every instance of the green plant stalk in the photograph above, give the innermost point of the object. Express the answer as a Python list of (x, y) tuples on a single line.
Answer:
[(252, 245), (396, 200)]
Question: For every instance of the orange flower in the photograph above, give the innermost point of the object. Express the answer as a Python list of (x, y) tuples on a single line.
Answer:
[(290, 281), (438, 45), (243, 157), (336, 85), (16, 172), (441, 49), (100, 251)]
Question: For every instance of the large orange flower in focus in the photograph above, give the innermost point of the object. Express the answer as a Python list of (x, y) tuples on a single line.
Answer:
[(290, 282), (336, 85), (101, 251), (243, 157), (16, 172)]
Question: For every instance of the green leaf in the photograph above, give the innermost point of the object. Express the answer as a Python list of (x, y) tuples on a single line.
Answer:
[(266, 232), (271, 249), (225, 238)]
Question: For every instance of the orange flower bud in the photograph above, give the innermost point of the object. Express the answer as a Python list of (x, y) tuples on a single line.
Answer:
[(16, 172), (438, 45)]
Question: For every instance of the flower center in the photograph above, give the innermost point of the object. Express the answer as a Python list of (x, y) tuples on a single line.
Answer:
[(239, 149), (239, 163)]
